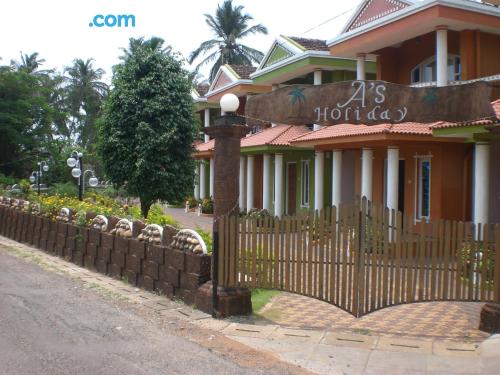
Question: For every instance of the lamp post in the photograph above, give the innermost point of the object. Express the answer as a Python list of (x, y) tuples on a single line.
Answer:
[(36, 176), (93, 181), (75, 161), (227, 131)]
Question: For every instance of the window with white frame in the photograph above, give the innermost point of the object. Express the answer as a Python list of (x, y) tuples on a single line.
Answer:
[(305, 183), (426, 70), (423, 187)]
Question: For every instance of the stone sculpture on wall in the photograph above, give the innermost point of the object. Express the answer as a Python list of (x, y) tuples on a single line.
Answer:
[(64, 215), (123, 228), (188, 240), (153, 233), (100, 223)]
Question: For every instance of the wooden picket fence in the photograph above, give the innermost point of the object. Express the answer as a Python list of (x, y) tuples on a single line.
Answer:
[(362, 257)]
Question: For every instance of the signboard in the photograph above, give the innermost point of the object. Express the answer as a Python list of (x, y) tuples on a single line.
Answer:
[(369, 103)]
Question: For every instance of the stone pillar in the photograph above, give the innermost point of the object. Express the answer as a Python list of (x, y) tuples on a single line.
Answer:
[(360, 66), (442, 55), (481, 182), (250, 160), (336, 177), (227, 132), (203, 188), (266, 182), (197, 182), (367, 173), (318, 78), (319, 171), (392, 182), (242, 200), (207, 123), (278, 185), (211, 189)]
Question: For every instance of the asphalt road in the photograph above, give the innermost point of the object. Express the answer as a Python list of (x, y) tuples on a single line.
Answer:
[(52, 325)]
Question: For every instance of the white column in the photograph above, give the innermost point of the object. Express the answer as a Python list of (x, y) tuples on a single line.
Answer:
[(319, 172), (250, 181), (207, 122), (318, 77), (442, 56), (203, 188), (367, 173), (266, 182), (197, 182), (360, 67), (278, 185), (274, 87), (481, 182), (242, 200), (212, 176), (336, 177), (392, 178)]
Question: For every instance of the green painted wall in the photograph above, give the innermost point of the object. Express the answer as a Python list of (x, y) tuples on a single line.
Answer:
[(279, 53)]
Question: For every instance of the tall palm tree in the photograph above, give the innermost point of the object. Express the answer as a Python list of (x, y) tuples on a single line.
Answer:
[(85, 93), (229, 25), (30, 64), (135, 44)]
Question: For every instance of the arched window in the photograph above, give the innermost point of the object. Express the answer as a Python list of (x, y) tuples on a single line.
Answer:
[(426, 70)]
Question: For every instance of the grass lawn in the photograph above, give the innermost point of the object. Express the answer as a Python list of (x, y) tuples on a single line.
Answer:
[(262, 296)]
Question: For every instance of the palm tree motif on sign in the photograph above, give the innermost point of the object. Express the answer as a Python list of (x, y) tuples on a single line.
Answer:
[(297, 95)]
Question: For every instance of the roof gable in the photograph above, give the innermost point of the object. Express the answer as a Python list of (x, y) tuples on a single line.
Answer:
[(371, 10), (281, 49), (221, 80), (278, 53)]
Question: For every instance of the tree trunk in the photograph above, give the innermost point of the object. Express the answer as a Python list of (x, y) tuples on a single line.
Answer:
[(145, 206)]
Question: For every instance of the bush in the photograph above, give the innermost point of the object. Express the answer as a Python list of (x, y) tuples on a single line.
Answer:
[(256, 213), (7, 180), (207, 238), (207, 206), (193, 202), (66, 189), (157, 216)]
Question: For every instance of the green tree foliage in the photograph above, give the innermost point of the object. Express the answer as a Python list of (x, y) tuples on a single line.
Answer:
[(85, 94), (147, 131), (229, 25), (25, 119)]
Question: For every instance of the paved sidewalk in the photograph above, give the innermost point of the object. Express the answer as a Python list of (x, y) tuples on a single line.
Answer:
[(445, 320), (190, 220), (324, 351)]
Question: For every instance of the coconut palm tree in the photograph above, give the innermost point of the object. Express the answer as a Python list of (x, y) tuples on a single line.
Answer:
[(229, 25), (30, 64), (85, 94)]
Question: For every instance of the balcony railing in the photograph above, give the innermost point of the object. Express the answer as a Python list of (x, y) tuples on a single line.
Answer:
[(495, 77)]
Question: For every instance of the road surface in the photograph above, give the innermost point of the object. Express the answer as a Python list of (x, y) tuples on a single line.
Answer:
[(51, 325)]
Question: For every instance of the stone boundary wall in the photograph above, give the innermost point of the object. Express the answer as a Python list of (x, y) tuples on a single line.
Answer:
[(160, 267)]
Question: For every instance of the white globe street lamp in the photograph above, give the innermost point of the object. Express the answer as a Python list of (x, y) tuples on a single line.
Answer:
[(93, 181), (76, 172), (229, 103), (71, 162)]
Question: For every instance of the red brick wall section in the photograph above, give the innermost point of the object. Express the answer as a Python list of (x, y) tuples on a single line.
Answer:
[(154, 267)]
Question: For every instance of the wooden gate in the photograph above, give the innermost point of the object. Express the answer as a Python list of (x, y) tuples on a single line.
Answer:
[(361, 257)]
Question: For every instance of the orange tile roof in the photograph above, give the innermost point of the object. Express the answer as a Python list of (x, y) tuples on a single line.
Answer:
[(279, 135), (205, 147), (485, 121), (346, 130)]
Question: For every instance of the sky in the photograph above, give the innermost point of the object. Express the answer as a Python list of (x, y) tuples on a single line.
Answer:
[(59, 29)]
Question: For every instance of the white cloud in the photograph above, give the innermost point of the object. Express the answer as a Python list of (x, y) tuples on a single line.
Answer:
[(59, 29)]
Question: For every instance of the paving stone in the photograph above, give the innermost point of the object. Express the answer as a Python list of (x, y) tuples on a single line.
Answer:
[(297, 335), (404, 345), (248, 330), (386, 361), (456, 349), (351, 340)]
